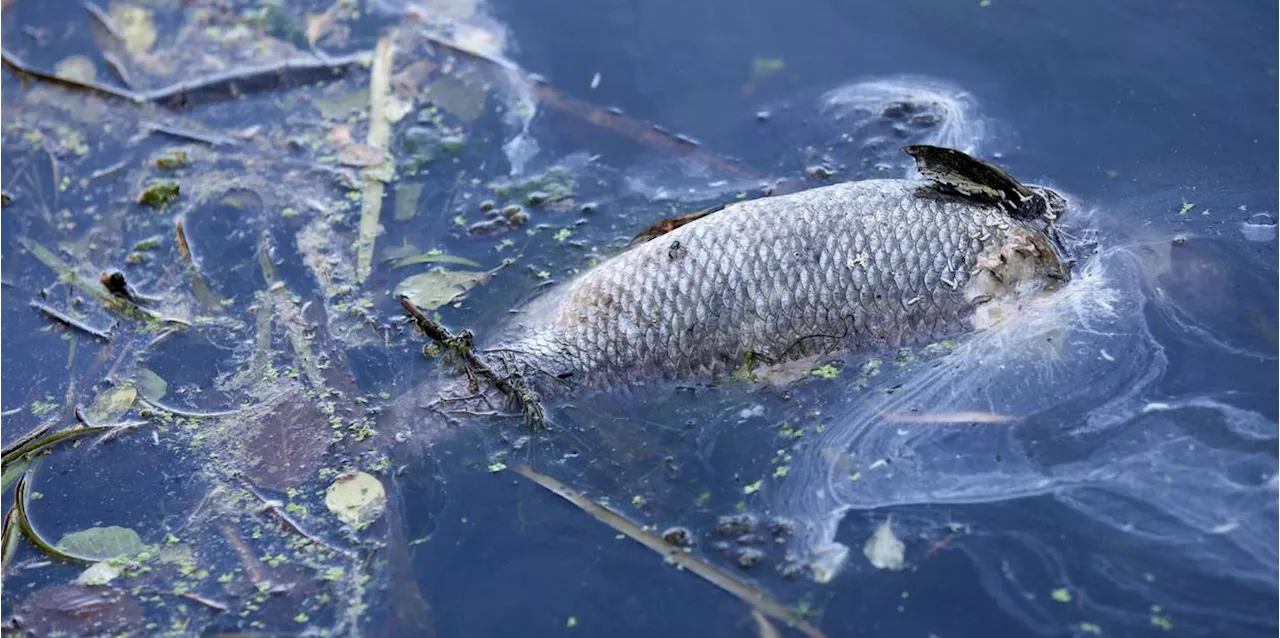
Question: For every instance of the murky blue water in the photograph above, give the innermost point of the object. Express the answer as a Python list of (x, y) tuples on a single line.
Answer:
[(1134, 496), (1133, 108)]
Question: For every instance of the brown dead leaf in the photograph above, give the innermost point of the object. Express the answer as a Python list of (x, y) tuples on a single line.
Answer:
[(360, 155), (340, 135), (290, 445), (351, 152), (74, 609), (408, 83), (318, 24)]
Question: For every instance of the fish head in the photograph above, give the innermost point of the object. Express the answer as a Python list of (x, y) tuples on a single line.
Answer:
[(1042, 214)]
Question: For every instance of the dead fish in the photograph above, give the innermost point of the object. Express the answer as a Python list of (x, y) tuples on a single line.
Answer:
[(849, 267)]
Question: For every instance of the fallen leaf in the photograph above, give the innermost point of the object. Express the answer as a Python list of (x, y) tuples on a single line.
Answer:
[(102, 543), (111, 404), (360, 155), (318, 24), (397, 107), (883, 549), (340, 135), (70, 610), (76, 67), (435, 257), (461, 99), (435, 288), (150, 385), (406, 83), (407, 196), (98, 574), (357, 499)]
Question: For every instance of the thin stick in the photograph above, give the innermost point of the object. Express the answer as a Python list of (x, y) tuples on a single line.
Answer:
[(677, 555), (70, 321), (103, 172), (187, 134), (117, 67), (604, 118), (274, 507), (207, 602), (190, 414), (461, 344), (224, 85), (250, 562), (234, 83), (641, 132)]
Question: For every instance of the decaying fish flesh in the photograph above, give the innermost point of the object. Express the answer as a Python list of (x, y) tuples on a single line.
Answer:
[(849, 267)]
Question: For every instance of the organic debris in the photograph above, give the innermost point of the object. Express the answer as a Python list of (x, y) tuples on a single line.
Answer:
[(675, 554), (357, 499)]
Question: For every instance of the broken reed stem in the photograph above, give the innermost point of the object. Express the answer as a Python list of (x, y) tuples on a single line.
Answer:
[(27, 438), (517, 393), (187, 134), (379, 137), (678, 556), (37, 445), (69, 321), (224, 85), (199, 288)]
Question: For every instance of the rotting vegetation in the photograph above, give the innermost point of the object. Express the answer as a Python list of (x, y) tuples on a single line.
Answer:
[(157, 219)]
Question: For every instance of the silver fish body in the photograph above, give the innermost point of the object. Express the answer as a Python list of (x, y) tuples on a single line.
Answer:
[(848, 267)]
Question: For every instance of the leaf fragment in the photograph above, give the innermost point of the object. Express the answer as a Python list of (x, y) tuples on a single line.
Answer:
[(111, 404), (136, 26), (357, 499), (883, 549), (437, 287), (76, 67), (99, 573), (101, 543), (435, 256), (150, 385), (159, 193)]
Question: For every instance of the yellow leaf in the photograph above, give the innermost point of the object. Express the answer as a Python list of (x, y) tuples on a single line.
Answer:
[(136, 27), (76, 67), (111, 404), (357, 499)]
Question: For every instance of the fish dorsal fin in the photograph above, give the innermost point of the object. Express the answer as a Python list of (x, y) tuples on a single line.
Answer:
[(973, 177), (671, 223)]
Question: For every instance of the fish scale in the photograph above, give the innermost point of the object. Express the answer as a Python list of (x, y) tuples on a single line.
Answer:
[(853, 266)]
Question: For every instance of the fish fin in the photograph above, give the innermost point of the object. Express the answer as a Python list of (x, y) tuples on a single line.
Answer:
[(671, 223), (972, 177)]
